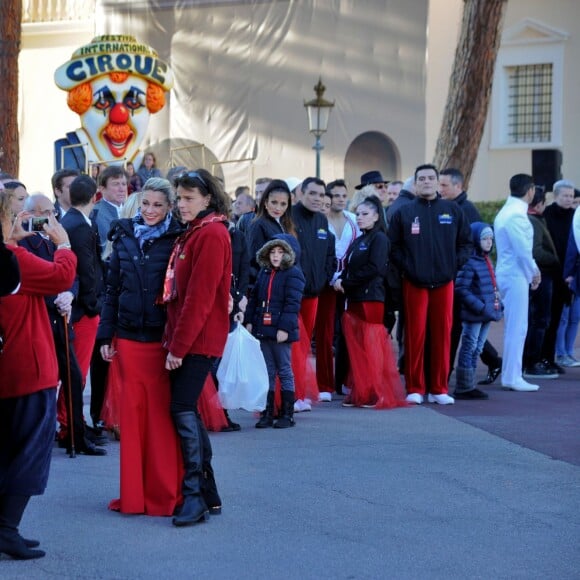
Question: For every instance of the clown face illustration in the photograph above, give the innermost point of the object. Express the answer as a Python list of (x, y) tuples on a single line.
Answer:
[(114, 84), (117, 120)]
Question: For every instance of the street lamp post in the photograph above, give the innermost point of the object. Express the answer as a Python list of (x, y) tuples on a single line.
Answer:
[(318, 111)]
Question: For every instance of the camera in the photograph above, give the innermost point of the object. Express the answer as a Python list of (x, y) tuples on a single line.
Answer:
[(35, 224)]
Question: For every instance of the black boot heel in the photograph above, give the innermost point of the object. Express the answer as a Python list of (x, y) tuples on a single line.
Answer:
[(215, 510)]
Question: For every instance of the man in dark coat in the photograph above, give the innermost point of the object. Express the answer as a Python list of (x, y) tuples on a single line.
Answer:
[(430, 240)]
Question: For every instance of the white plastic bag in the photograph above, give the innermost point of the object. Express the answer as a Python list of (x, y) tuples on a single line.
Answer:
[(242, 373)]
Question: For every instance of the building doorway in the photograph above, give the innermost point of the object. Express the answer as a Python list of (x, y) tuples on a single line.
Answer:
[(371, 151)]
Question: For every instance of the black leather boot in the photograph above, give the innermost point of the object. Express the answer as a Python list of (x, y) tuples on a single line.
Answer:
[(267, 415), (11, 542), (287, 418), (208, 485), (194, 509)]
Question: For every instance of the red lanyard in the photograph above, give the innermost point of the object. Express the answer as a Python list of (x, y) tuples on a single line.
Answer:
[(496, 300), (270, 289)]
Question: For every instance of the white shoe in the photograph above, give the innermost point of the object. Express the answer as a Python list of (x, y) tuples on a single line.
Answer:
[(306, 405), (308, 401), (414, 398), (298, 406), (325, 397), (441, 399), (521, 386)]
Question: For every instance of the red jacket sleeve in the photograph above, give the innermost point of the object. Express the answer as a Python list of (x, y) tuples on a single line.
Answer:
[(39, 277)]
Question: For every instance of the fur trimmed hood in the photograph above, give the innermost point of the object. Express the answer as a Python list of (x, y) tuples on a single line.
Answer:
[(262, 257)]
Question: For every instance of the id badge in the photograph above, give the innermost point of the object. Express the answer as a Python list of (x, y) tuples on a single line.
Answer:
[(267, 319)]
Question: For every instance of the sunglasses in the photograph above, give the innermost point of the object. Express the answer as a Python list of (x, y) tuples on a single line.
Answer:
[(192, 175)]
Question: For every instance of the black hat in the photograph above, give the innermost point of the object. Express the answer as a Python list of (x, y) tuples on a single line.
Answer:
[(370, 177)]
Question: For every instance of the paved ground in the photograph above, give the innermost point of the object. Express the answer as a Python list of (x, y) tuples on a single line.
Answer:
[(477, 490), (348, 494)]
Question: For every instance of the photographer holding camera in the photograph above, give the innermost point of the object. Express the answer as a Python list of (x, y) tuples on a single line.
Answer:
[(28, 391), (39, 208)]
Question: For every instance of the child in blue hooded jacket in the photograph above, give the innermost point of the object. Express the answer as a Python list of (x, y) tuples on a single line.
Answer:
[(476, 290), (272, 316)]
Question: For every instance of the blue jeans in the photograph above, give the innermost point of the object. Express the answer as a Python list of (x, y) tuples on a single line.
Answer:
[(568, 328), (472, 340), (278, 362)]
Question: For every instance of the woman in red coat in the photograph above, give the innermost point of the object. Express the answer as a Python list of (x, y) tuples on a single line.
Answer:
[(197, 293), (28, 391)]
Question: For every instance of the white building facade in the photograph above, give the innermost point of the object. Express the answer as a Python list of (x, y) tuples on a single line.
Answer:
[(244, 68)]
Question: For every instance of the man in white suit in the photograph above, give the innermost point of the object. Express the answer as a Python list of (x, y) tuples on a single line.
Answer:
[(516, 273)]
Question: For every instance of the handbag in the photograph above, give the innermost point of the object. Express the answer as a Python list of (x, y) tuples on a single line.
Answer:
[(242, 373)]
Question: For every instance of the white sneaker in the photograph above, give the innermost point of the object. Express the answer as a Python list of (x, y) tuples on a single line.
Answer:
[(298, 406), (414, 398), (574, 362), (441, 399), (325, 397), (308, 401), (521, 386), (306, 405)]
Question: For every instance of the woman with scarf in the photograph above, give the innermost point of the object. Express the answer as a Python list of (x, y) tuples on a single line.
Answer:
[(130, 330), (197, 293)]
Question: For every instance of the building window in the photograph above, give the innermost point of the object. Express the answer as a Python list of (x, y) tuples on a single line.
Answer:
[(530, 103)]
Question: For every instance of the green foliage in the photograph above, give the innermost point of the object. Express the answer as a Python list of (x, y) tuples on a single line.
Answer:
[(488, 209)]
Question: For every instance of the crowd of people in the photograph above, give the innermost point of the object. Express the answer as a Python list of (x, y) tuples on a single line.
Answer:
[(135, 281)]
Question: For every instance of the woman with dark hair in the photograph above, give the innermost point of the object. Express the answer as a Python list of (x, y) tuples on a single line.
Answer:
[(129, 334), (375, 380), (197, 294), (274, 216)]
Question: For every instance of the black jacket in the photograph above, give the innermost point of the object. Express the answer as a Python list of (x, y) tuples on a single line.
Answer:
[(363, 277), (559, 222), (544, 251), (404, 198), (84, 241), (468, 208), (134, 283), (318, 257), (260, 231), (430, 241), (240, 266)]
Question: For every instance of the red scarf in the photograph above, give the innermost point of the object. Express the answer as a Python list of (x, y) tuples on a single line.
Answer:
[(169, 286)]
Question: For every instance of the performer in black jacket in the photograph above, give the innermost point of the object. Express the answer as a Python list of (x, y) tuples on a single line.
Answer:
[(317, 259), (430, 240)]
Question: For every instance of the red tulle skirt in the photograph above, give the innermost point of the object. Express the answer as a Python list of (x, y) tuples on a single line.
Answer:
[(373, 377), (303, 365), (151, 462), (110, 413), (210, 407)]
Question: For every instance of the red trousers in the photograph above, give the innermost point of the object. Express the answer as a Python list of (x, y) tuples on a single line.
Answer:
[(304, 377), (424, 307), (85, 332), (324, 332)]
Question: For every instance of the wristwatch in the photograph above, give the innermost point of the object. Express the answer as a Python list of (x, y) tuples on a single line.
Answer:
[(63, 246)]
